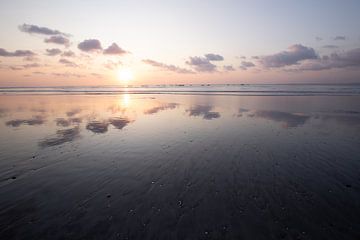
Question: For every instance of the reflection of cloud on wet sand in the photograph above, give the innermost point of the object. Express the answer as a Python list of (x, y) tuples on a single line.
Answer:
[(119, 123), (348, 119), (62, 136), (97, 127), (73, 112), (37, 120), (67, 122), (289, 119), (241, 111), (161, 108), (3, 112), (204, 111), (102, 126)]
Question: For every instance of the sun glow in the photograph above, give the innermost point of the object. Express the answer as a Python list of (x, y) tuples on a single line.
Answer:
[(125, 74)]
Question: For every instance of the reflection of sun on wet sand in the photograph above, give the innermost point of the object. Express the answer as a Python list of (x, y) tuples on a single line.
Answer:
[(179, 166)]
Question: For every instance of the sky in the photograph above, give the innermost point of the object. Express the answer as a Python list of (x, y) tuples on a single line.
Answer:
[(93, 42)]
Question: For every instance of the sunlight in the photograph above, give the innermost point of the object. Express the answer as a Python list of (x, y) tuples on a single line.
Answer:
[(125, 74)]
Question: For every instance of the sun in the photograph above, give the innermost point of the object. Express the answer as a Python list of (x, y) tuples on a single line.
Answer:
[(125, 74)]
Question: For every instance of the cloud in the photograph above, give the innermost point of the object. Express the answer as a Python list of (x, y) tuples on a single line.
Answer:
[(68, 54), (204, 111), (32, 65), (68, 63), (201, 64), (31, 59), (228, 68), (114, 49), (166, 67), (17, 53), (340, 38), (346, 59), (330, 46), (214, 57), (318, 39), (58, 40), (53, 52), (245, 65), (90, 45), (15, 68), (112, 65), (28, 28), (67, 75), (161, 108), (292, 56)]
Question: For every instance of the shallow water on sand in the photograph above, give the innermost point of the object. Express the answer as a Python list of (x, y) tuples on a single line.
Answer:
[(136, 166)]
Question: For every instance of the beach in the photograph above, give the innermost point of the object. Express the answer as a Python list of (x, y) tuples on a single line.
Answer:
[(179, 166)]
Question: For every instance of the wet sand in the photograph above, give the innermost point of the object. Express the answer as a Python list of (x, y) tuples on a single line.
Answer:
[(179, 167)]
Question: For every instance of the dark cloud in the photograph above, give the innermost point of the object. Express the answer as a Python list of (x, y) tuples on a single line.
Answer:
[(68, 54), (15, 68), (228, 68), (114, 49), (161, 108), (255, 57), (28, 28), (68, 63), (214, 57), (62, 136), (330, 46), (167, 67), (32, 65), (37, 120), (346, 59), (61, 40), (39, 73), (98, 75), (97, 127), (53, 52), (340, 38), (90, 45), (67, 75), (17, 53), (289, 119), (119, 123), (204, 111), (292, 56), (31, 59), (318, 39), (201, 64), (245, 65)]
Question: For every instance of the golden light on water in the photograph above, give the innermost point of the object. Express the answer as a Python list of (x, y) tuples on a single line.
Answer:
[(125, 101)]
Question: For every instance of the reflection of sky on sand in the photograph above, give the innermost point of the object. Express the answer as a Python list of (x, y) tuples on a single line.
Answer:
[(203, 157), (63, 118)]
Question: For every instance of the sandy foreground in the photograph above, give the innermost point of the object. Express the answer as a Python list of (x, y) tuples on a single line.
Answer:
[(136, 166)]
